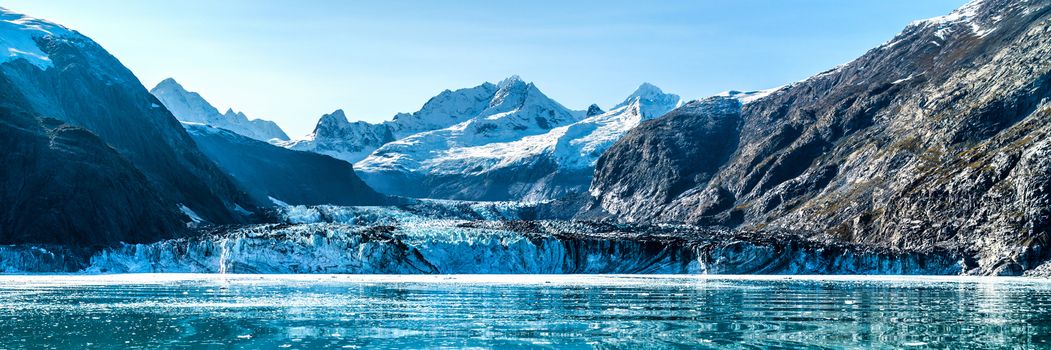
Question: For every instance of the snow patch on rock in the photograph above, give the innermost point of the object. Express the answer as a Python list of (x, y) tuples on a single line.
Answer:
[(19, 34)]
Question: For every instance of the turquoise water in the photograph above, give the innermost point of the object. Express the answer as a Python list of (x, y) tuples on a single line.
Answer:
[(498, 311)]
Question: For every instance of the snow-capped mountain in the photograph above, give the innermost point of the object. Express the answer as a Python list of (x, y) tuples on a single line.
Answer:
[(487, 112), (514, 165), (90, 157), (189, 106), (335, 136), (504, 141)]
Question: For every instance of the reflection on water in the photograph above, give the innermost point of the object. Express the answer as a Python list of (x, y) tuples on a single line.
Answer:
[(244, 311)]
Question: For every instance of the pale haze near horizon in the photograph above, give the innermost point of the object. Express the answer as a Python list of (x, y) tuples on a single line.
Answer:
[(291, 62)]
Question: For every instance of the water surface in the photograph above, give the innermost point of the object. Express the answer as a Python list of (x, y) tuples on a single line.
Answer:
[(552, 311)]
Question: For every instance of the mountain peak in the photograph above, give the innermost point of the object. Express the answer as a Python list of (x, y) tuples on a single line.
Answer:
[(511, 80), (594, 110), (168, 82), (963, 13), (648, 89), (652, 101), (189, 106), (335, 120), (336, 115), (169, 86)]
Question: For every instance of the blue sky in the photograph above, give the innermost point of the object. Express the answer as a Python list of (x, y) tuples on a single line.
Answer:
[(291, 61)]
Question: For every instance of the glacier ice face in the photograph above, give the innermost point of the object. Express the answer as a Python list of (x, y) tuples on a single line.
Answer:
[(419, 212), (38, 259), (437, 247), (456, 248), (456, 237)]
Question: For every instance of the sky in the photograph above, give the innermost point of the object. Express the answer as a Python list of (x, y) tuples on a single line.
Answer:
[(292, 61)]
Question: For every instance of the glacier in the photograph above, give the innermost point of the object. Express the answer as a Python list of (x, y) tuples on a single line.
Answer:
[(452, 237)]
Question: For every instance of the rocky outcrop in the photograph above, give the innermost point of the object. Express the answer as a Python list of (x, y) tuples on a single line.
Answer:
[(266, 171), (938, 138)]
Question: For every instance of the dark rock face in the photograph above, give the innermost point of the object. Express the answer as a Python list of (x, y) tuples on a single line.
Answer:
[(63, 185), (105, 130), (938, 138), (683, 148), (593, 110), (294, 177)]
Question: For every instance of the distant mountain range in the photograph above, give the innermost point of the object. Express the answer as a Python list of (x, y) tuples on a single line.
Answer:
[(505, 141), (190, 107)]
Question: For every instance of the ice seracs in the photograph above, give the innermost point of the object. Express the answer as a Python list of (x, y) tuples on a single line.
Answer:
[(188, 106)]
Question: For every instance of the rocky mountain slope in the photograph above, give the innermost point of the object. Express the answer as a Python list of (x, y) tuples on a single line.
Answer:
[(93, 157), (189, 106), (270, 172), (63, 185), (936, 139)]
